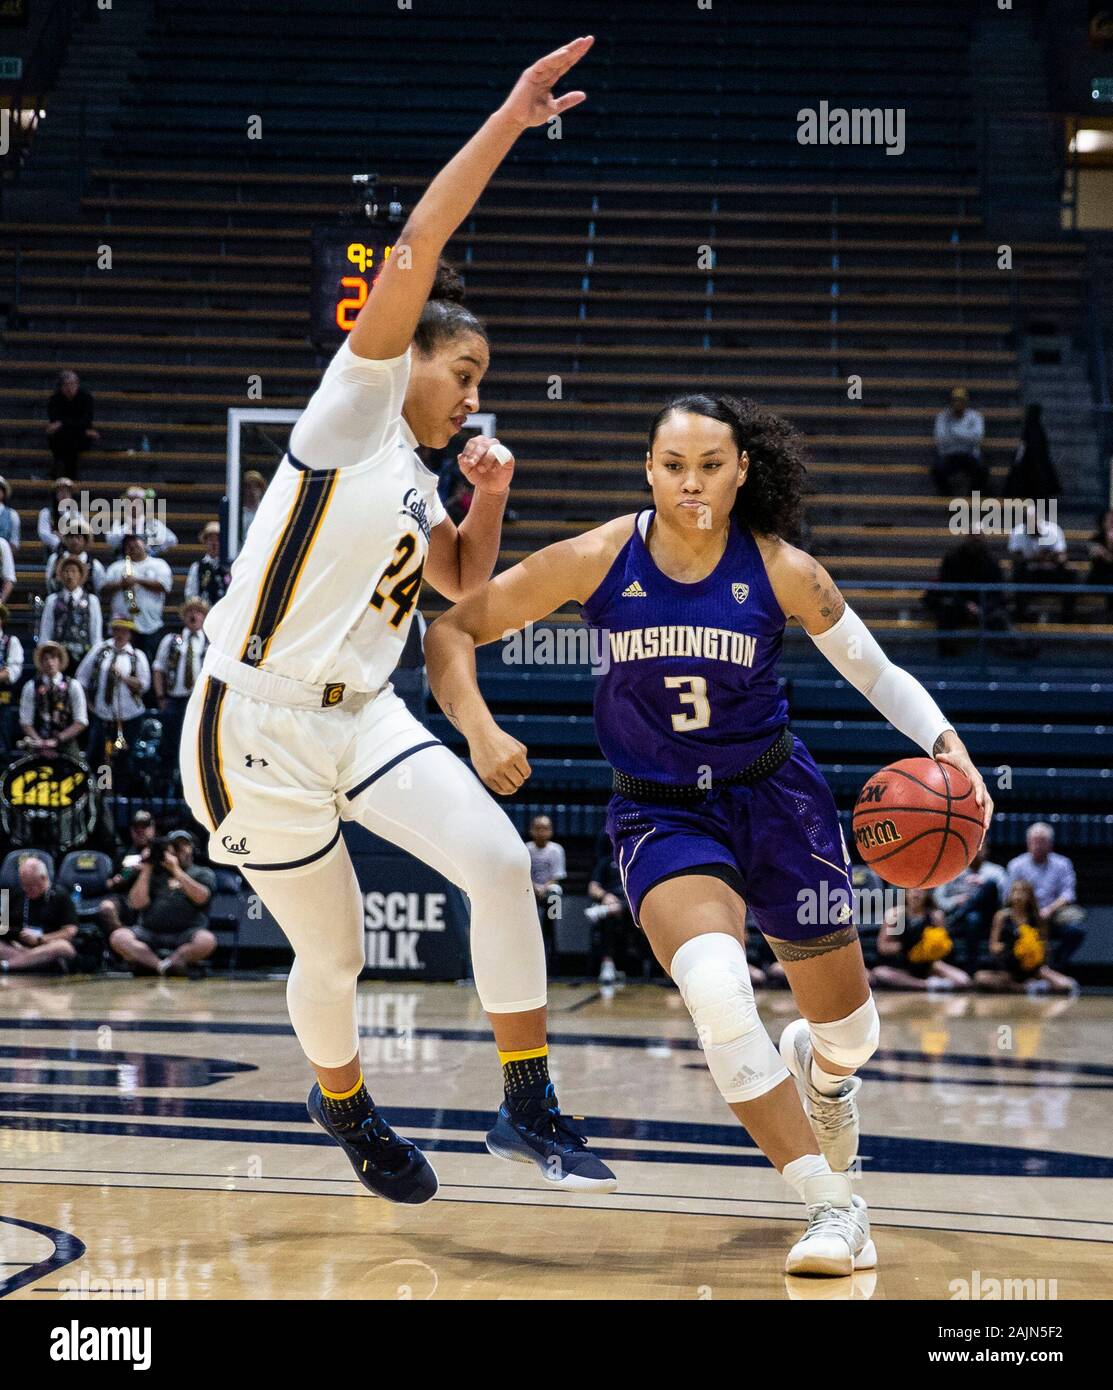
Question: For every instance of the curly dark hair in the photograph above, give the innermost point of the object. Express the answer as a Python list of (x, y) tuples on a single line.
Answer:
[(772, 498), (444, 316)]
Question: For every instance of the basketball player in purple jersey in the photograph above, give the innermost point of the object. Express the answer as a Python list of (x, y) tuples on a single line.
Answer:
[(719, 810)]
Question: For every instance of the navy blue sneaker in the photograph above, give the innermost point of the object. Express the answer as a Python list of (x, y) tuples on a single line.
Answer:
[(543, 1137), (385, 1163)]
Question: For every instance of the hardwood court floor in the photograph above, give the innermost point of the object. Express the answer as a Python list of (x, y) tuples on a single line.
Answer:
[(153, 1136)]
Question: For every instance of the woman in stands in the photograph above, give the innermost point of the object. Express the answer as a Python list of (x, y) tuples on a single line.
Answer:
[(915, 947), (1018, 943), (719, 810), (295, 727)]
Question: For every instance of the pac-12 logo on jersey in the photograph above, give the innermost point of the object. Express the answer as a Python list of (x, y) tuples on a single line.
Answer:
[(741, 592), (413, 504)]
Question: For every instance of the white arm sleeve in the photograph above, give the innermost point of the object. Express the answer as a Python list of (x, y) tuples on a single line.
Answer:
[(354, 412), (895, 694)]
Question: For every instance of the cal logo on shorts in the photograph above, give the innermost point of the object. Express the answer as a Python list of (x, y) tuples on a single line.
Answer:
[(333, 694)]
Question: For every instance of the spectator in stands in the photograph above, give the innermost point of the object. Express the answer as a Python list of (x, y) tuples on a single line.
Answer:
[(114, 910), (209, 577), (42, 922), (176, 666), (1039, 550), (137, 507), (76, 539), (72, 616), (969, 562), (1018, 945), (968, 904), (10, 525), (1032, 473), (548, 871), (53, 711), (137, 587), (11, 669), (50, 516), (70, 430), (915, 947), (1101, 557), (1052, 877), (7, 571), (254, 485), (609, 912), (958, 446), (116, 676), (620, 941), (171, 895)]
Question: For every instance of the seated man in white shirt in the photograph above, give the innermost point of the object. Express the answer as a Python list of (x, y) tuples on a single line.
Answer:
[(958, 446), (116, 676), (52, 707), (176, 667), (11, 668), (72, 616), (137, 587), (1039, 550), (140, 518)]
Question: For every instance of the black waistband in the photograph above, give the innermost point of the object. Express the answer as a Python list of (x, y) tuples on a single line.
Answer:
[(771, 760)]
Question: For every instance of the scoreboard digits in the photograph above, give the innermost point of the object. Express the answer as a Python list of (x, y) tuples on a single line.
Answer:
[(346, 263)]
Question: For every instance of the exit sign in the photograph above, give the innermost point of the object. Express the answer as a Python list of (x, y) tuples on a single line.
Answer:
[(11, 69)]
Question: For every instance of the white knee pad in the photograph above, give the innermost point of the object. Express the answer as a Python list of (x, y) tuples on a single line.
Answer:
[(711, 973), (850, 1041)]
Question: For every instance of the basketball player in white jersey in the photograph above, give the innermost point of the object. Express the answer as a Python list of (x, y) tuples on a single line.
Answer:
[(294, 726)]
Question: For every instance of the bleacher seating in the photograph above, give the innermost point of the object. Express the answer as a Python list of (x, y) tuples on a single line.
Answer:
[(583, 256)]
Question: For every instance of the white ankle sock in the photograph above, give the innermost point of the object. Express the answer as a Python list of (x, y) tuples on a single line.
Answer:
[(825, 1082), (797, 1173)]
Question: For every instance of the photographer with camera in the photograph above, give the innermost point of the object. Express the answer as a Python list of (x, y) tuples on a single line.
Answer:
[(171, 896)]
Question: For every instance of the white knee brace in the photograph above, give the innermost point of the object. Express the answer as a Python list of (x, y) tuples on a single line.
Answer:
[(711, 973), (850, 1041)]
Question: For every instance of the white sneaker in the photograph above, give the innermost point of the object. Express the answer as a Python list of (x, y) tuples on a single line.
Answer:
[(834, 1119), (837, 1241), (607, 973)]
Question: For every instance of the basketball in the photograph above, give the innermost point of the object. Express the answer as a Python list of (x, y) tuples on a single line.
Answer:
[(916, 823)]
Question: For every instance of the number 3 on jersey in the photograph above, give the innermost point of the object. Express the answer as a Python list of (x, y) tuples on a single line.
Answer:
[(404, 593), (695, 694)]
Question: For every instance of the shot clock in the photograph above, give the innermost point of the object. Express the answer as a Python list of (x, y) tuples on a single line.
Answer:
[(346, 261)]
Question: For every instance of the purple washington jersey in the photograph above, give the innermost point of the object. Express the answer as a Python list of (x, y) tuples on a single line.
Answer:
[(690, 689)]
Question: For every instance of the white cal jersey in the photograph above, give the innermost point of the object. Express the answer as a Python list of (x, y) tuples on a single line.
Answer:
[(326, 584)]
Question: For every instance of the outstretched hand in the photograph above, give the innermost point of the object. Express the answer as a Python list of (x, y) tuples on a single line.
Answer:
[(532, 103)]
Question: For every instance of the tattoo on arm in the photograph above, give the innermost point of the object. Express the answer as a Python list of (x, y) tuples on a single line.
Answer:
[(450, 715), (939, 745), (828, 599)]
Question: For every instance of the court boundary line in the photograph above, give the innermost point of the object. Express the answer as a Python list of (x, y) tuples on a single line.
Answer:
[(587, 1206), (481, 1187)]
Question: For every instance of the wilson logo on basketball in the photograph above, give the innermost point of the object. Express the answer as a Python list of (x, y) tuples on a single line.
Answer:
[(880, 832), (872, 791)]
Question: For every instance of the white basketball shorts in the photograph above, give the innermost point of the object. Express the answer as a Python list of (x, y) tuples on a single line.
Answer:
[(271, 781)]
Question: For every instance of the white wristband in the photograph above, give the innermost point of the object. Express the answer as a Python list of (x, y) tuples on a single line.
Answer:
[(854, 652)]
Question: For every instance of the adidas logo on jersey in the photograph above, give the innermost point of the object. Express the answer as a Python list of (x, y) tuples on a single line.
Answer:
[(634, 590)]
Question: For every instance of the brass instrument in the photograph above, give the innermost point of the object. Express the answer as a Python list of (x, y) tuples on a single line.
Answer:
[(129, 587)]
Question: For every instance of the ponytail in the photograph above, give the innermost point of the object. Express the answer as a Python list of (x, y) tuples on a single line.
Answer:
[(444, 316)]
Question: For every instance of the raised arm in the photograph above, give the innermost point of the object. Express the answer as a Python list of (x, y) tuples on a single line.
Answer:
[(386, 323), (807, 593)]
